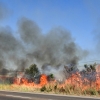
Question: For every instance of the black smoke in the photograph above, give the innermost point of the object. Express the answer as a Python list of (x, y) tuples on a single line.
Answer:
[(56, 48)]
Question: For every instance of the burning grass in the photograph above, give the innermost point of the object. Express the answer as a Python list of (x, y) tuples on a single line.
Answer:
[(52, 87), (76, 84), (65, 88), (69, 89)]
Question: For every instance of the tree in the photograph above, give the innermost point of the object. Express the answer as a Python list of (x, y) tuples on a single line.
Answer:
[(69, 70), (32, 70), (93, 67), (4, 71), (90, 68), (51, 77)]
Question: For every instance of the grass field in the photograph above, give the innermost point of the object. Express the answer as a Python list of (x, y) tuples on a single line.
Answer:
[(52, 88)]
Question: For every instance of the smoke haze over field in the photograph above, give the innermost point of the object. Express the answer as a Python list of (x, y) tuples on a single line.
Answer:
[(55, 48)]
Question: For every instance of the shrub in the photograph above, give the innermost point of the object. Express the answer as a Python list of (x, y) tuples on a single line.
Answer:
[(32, 70), (90, 91), (43, 89)]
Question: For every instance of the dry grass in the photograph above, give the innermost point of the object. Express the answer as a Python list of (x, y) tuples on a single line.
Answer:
[(21, 88), (52, 88), (69, 90)]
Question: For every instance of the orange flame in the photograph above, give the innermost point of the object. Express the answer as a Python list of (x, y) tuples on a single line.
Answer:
[(76, 80), (43, 80), (24, 81)]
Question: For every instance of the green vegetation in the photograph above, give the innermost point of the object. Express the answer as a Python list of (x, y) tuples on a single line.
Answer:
[(90, 68), (43, 89), (51, 76), (32, 70)]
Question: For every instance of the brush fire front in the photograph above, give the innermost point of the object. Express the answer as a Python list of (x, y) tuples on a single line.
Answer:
[(74, 84), (78, 82), (41, 81), (77, 79)]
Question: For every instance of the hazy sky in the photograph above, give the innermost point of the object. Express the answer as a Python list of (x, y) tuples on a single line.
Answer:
[(80, 17)]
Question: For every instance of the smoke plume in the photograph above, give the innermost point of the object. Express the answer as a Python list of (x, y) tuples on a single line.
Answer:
[(54, 49)]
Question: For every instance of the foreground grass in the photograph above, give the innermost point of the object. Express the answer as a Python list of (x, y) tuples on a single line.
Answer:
[(21, 88), (69, 90), (52, 88)]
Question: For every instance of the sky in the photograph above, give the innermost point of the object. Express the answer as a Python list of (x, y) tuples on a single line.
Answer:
[(80, 17)]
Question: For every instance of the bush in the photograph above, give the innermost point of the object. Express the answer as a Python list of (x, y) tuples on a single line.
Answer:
[(32, 70), (90, 91), (43, 89)]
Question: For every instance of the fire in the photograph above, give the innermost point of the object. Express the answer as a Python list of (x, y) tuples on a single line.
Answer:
[(43, 80), (24, 81), (76, 80)]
